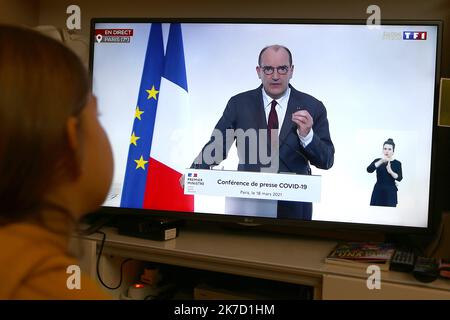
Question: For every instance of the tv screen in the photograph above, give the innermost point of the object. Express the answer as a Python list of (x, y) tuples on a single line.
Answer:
[(273, 121)]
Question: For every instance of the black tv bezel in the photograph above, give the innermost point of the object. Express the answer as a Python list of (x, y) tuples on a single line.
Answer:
[(433, 218)]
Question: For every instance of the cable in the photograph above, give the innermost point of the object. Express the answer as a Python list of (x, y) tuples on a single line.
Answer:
[(98, 265), (94, 227)]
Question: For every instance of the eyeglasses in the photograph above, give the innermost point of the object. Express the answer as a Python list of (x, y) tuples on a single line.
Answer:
[(268, 70)]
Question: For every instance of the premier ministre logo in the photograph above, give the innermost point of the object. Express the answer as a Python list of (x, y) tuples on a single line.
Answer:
[(193, 179)]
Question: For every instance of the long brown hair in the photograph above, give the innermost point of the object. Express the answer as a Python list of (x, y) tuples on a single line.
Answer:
[(42, 84)]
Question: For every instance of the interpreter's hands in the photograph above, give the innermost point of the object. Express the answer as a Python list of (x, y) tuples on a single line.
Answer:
[(389, 169), (382, 161), (304, 122)]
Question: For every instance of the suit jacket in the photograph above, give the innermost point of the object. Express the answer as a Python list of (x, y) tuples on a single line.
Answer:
[(246, 111)]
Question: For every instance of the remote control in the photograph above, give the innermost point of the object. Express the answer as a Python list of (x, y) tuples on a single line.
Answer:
[(403, 261), (426, 269)]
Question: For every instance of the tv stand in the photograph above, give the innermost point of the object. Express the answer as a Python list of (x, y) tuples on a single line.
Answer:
[(284, 258)]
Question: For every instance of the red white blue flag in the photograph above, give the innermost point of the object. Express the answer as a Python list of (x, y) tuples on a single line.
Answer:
[(161, 131)]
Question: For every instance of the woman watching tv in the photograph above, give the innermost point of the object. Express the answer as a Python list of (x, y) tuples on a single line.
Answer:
[(55, 165)]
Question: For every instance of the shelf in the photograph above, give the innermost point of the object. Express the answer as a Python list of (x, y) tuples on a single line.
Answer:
[(284, 258)]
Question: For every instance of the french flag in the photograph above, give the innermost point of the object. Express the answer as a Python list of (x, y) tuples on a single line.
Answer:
[(157, 186)]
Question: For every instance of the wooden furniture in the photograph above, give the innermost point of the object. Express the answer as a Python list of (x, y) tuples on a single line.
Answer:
[(284, 258)]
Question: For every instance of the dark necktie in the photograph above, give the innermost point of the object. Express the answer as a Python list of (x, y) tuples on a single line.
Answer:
[(272, 123)]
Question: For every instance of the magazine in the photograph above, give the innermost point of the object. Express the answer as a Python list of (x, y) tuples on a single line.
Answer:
[(362, 254)]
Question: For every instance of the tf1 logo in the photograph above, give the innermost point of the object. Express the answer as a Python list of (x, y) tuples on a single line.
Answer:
[(414, 35)]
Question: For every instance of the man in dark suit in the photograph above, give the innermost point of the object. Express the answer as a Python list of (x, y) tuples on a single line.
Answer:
[(294, 125)]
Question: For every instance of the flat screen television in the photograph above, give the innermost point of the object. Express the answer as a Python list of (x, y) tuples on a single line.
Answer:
[(187, 104)]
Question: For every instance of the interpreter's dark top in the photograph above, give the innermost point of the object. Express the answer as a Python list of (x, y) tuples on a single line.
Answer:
[(385, 191)]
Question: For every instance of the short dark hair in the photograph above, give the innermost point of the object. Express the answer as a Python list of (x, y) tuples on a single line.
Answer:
[(276, 47), (390, 142)]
